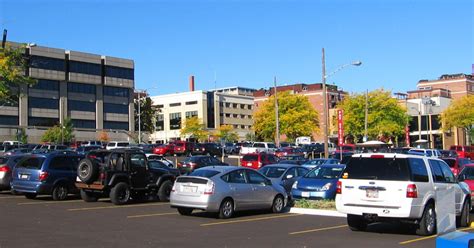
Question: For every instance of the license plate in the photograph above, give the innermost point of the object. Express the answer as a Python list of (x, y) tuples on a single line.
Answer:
[(371, 193), (189, 189), (249, 164), (304, 194), (23, 176)]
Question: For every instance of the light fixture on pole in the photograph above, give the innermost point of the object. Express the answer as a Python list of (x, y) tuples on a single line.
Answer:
[(325, 104)]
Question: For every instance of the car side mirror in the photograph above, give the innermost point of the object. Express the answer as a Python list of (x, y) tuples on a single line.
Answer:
[(289, 176)]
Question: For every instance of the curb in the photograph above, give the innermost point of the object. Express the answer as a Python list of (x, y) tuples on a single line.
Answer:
[(320, 212)]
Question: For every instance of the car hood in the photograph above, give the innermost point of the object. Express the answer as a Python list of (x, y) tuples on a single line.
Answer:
[(313, 183)]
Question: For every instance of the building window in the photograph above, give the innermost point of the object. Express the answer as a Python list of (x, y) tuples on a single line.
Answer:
[(80, 106), (242, 116), (119, 72), (83, 123), (85, 68), (160, 123), (116, 91), (175, 121), (47, 63), (249, 106), (242, 126), (175, 104), (46, 103), (234, 105), (11, 102), (250, 117), (242, 106), (227, 105), (81, 88), (159, 106), (191, 103), (8, 120), (227, 115), (235, 115), (116, 125), (43, 84), (190, 114), (42, 121), (115, 108)]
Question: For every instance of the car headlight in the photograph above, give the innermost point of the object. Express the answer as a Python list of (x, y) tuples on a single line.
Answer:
[(295, 185), (326, 186)]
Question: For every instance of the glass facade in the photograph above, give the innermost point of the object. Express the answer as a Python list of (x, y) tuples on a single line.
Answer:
[(160, 123), (175, 121), (116, 125), (42, 121), (85, 68), (115, 108), (81, 106), (83, 123), (190, 114), (44, 84), (119, 72), (46, 103), (47, 63), (8, 120), (81, 88), (116, 91)]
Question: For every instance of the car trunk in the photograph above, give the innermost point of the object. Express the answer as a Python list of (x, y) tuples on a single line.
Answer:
[(191, 186)]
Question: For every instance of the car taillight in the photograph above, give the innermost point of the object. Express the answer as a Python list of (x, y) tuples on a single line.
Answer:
[(259, 164), (209, 188), (412, 192), (4, 169), (377, 156), (43, 176), (92, 156), (193, 165), (339, 187), (102, 176)]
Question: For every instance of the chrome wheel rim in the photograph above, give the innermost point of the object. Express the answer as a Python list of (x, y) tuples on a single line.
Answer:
[(62, 192), (278, 204), (84, 170), (227, 209)]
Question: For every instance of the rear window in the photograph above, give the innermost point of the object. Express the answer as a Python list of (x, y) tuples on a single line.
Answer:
[(378, 169), (272, 172), (191, 180), (204, 173), (31, 163), (250, 158), (122, 144), (325, 173), (450, 162)]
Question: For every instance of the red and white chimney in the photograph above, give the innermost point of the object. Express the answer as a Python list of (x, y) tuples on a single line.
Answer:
[(191, 83)]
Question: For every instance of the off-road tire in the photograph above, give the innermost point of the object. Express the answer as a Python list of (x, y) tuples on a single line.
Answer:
[(60, 192), (165, 190), (356, 223), (89, 196), (427, 224), (185, 211), (87, 170), (226, 210), (120, 194)]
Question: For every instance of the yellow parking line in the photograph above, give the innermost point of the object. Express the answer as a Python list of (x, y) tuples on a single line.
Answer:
[(318, 230), (150, 215), (122, 206), (249, 220), (433, 236)]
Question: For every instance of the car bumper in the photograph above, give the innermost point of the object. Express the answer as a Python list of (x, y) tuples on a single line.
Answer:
[(5, 180), (312, 195), (206, 203), (31, 187)]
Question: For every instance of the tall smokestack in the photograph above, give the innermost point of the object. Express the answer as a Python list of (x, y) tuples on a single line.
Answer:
[(191, 83)]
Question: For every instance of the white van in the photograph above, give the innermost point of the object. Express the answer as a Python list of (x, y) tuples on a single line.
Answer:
[(117, 144)]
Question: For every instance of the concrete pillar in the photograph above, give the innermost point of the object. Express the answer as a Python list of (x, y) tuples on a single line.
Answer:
[(131, 112), (62, 101), (99, 107), (23, 106)]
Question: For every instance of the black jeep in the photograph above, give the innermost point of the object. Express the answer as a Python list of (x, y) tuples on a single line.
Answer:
[(122, 174)]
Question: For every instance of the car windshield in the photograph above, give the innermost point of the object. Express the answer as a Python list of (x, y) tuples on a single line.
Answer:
[(315, 162), (325, 173), (155, 164), (250, 157), (467, 173), (272, 172), (378, 169), (204, 173)]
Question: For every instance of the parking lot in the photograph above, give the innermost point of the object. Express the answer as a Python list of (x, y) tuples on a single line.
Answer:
[(74, 223)]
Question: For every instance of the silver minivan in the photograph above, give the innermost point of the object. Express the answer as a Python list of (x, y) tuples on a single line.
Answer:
[(117, 144), (226, 189)]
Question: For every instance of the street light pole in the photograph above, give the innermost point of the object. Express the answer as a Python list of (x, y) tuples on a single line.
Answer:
[(325, 106), (139, 119), (277, 129)]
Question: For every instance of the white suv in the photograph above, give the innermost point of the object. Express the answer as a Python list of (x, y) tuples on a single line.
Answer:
[(386, 187)]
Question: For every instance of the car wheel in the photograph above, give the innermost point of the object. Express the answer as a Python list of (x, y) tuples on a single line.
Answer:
[(226, 209), (464, 220), (60, 192), (120, 194), (30, 195), (427, 224), (356, 223), (165, 191), (185, 211), (87, 170), (278, 204), (89, 196)]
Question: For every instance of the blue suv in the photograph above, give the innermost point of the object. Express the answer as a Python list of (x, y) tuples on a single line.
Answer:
[(46, 174)]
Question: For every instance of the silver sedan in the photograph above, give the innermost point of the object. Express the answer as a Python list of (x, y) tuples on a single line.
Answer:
[(226, 189)]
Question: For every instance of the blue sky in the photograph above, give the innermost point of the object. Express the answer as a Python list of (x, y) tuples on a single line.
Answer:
[(247, 43)]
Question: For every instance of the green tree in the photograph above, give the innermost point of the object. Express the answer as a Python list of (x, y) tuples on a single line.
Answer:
[(250, 136), (460, 113), (53, 135), (385, 118), (296, 115), (147, 115), (194, 128), (227, 133), (59, 133), (13, 64), (22, 136)]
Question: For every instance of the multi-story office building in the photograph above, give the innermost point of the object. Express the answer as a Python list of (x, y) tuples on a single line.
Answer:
[(94, 91), (227, 106)]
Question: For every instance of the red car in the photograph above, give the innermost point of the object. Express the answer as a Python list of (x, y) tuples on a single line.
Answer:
[(463, 151), (285, 151), (183, 147), (258, 160), (456, 164), (164, 150), (467, 176)]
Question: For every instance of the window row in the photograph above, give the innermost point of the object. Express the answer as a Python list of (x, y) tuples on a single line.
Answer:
[(83, 123), (116, 91), (190, 114), (44, 84), (116, 125), (46, 103), (235, 105), (119, 72), (236, 116), (85, 68), (81, 106), (47, 63), (81, 88), (115, 108), (42, 121), (8, 120)]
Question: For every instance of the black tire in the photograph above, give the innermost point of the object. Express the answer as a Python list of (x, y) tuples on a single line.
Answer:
[(165, 191), (356, 223), (465, 219), (226, 210), (88, 170), (120, 194), (60, 192), (30, 195), (278, 204), (185, 211), (89, 196), (427, 224), (14, 192)]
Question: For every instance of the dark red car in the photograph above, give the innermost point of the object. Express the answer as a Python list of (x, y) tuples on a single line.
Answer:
[(258, 160), (164, 150), (467, 175), (457, 164), (183, 147), (285, 151)]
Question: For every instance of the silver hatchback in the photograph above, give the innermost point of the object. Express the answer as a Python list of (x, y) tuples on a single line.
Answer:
[(226, 189)]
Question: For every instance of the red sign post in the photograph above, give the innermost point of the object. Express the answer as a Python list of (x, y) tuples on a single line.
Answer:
[(340, 128)]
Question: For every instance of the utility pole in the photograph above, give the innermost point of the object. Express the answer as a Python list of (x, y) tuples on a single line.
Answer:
[(139, 119), (366, 115), (325, 107), (277, 129)]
